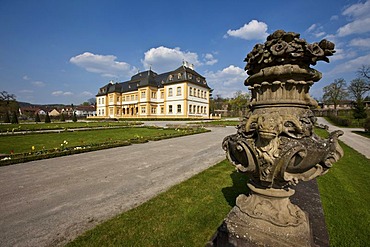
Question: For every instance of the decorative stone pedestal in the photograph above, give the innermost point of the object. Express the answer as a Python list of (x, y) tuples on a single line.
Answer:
[(275, 144), (265, 218)]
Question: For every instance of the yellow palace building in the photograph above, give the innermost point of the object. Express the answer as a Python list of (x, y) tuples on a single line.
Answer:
[(181, 93)]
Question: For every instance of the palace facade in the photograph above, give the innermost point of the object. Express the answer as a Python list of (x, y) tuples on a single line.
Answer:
[(181, 93)]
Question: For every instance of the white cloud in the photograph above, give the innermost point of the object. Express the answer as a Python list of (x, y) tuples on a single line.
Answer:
[(342, 54), (209, 59), (57, 93), (358, 9), (106, 65), (360, 14), (61, 93), (254, 30), (350, 65), (355, 27), (316, 30), (365, 43), (26, 91), (26, 78), (164, 59), (334, 18), (38, 83), (311, 28), (227, 81), (86, 94)]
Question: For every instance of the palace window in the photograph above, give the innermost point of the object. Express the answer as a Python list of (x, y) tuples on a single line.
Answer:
[(178, 108), (170, 109), (154, 95), (143, 95), (132, 97), (154, 110), (170, 92), (111, 111), (191, 91), (162, 94), (178, 91), (162, 110), (179, 76), (143, 109), (170, 77)]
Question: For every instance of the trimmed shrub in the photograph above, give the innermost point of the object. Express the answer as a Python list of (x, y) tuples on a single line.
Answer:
[(14, 118), (7, 118), (47, 118), (74, 118), (340, 121), (367, 125), (37, 118)]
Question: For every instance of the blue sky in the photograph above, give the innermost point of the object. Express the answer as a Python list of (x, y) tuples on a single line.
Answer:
[(64, 51)]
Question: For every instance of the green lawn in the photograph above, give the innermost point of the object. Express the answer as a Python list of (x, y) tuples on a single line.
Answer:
[(61, 125), (189, 213), (345, 197), (24, 143)]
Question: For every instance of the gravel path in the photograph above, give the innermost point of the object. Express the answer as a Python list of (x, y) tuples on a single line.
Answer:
[(49, 202), (360, 143)]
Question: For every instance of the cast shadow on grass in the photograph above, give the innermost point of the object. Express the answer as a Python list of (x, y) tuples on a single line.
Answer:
[(239, 187)]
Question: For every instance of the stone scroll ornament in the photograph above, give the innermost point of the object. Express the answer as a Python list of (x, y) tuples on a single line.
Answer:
[(275, 143)]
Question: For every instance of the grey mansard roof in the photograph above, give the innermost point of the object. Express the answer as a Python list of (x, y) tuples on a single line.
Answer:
[(150, 78)]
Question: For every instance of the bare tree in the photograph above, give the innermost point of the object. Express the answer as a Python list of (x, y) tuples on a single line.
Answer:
[(5, 96), (364, 71), (358, 89), (335, 92)]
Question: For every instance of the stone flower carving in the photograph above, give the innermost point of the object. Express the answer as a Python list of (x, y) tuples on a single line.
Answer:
[(284, 48)]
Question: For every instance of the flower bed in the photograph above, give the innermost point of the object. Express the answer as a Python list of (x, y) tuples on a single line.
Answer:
[(64, 149)]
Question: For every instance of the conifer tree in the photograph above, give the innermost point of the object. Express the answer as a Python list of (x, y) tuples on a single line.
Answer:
[(62, 118), (74, 119), (47, 118), (14, 118), (7, 118), (37, 118)]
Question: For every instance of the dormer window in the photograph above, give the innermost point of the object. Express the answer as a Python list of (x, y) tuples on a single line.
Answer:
[(198, 79), (190, 76), (179, 76), (170, 77)]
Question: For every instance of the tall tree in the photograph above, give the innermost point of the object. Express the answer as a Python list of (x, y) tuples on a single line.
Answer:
[(364, 71), (335, 92), (359, 110), (14, 118), (37, 118), (239, 103), (358, 89), (74, 118), (8, 104), (92, 101), (47, 118)]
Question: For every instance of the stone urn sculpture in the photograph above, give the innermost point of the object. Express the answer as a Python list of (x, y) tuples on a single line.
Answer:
[(275, 143)]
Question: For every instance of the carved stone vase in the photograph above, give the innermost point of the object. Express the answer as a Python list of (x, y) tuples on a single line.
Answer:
[(275, 143)]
